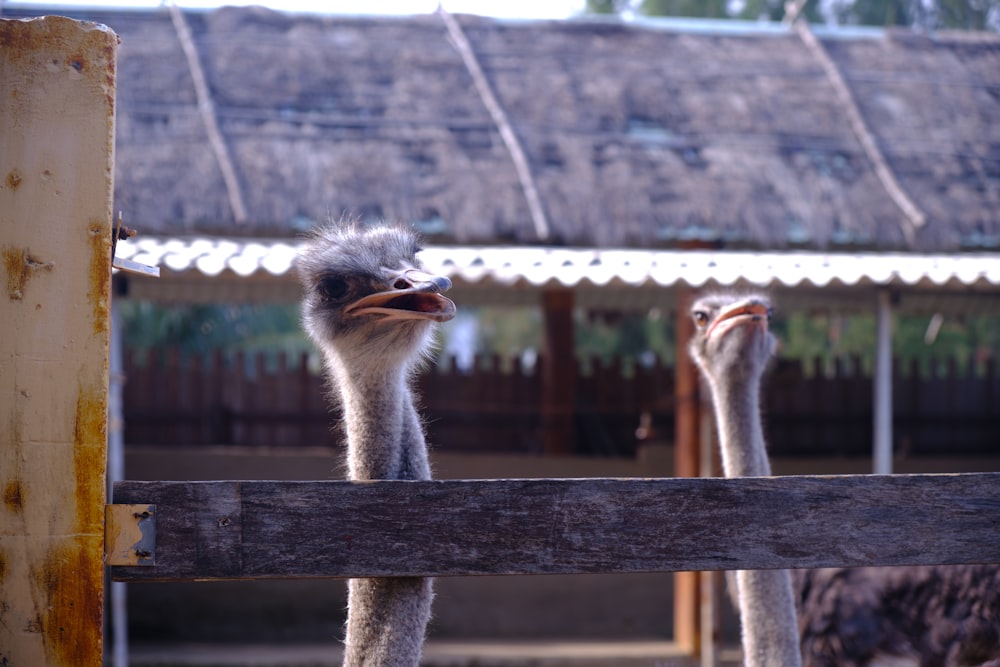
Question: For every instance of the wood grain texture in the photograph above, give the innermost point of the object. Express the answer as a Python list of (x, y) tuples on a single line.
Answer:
[(257, 530), (57, 105)]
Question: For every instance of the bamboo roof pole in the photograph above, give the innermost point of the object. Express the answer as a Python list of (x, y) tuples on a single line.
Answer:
[(912, 214), (206, 107), (57, 105), (499, 116)]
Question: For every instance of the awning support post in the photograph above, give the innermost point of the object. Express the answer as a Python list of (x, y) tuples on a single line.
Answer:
[(882, 379)]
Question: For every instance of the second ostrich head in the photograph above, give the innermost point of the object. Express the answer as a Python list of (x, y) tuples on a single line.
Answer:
[(733, 347), (367, 298), (732, 342)]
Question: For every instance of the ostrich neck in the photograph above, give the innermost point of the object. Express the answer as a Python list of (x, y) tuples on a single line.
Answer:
[(766, 599), (381, 422), (387, 618), (741, 436)]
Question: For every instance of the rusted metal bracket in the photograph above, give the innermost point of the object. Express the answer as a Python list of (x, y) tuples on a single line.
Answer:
[(123, 233), (135, 267), (130, 535)]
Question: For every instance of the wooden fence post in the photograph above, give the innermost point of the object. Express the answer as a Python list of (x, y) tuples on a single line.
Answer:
[(687, 460), (57, 95)]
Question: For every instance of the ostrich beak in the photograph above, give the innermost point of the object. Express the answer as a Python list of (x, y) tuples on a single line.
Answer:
[(416, 295), (751, 311)]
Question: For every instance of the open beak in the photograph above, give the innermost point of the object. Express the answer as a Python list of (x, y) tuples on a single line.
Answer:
[(416, 295), (751, 311)]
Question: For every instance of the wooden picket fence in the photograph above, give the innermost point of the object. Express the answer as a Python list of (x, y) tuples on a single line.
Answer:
[(820, 408)]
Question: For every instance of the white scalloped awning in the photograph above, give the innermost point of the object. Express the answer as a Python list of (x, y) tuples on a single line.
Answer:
[(200, 267)]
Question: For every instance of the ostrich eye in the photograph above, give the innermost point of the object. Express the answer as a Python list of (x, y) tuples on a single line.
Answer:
[(700, 318), (332, 288)]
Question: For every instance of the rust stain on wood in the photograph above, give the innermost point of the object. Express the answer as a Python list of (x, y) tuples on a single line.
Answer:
[(76, 600), (19, 265), (16, 270), (13, 496), (100, 274), (70, 574), (110, 51), (89, 435), (14, 179), (17, 40)]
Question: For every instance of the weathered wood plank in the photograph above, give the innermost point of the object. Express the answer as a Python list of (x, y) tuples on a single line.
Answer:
[(200, 524), (57, 97), (229, 530)]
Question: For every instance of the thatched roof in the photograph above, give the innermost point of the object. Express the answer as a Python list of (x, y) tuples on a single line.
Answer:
[(636, 136)]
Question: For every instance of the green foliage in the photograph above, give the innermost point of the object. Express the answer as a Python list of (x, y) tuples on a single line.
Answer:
[(634, 335), (204, 327), (968, 14), (507, 331), (966, 340), (606, 6), (940, 14), (875, 12), (825, 336), (709, 9), (774, 10)]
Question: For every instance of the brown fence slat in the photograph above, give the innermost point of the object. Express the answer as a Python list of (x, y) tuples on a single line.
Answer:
[(259, 530)]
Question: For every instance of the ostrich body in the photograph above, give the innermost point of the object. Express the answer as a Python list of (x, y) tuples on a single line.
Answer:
[(733, 347), (931, 616), (370, 309)]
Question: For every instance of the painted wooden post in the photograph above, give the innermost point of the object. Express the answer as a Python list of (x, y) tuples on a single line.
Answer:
[(57, 96), (687, 462), (882, 381), (558, 372)]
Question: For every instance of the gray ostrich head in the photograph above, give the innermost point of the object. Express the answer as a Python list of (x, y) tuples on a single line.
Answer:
[(366, 296), (732, 341)]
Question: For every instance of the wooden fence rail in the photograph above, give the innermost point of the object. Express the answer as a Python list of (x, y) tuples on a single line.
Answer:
[(812, 409), (259, 530)]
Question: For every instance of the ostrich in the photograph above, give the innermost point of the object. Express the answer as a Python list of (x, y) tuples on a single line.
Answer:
[(732, 347), (370, 308), (932, 616)]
